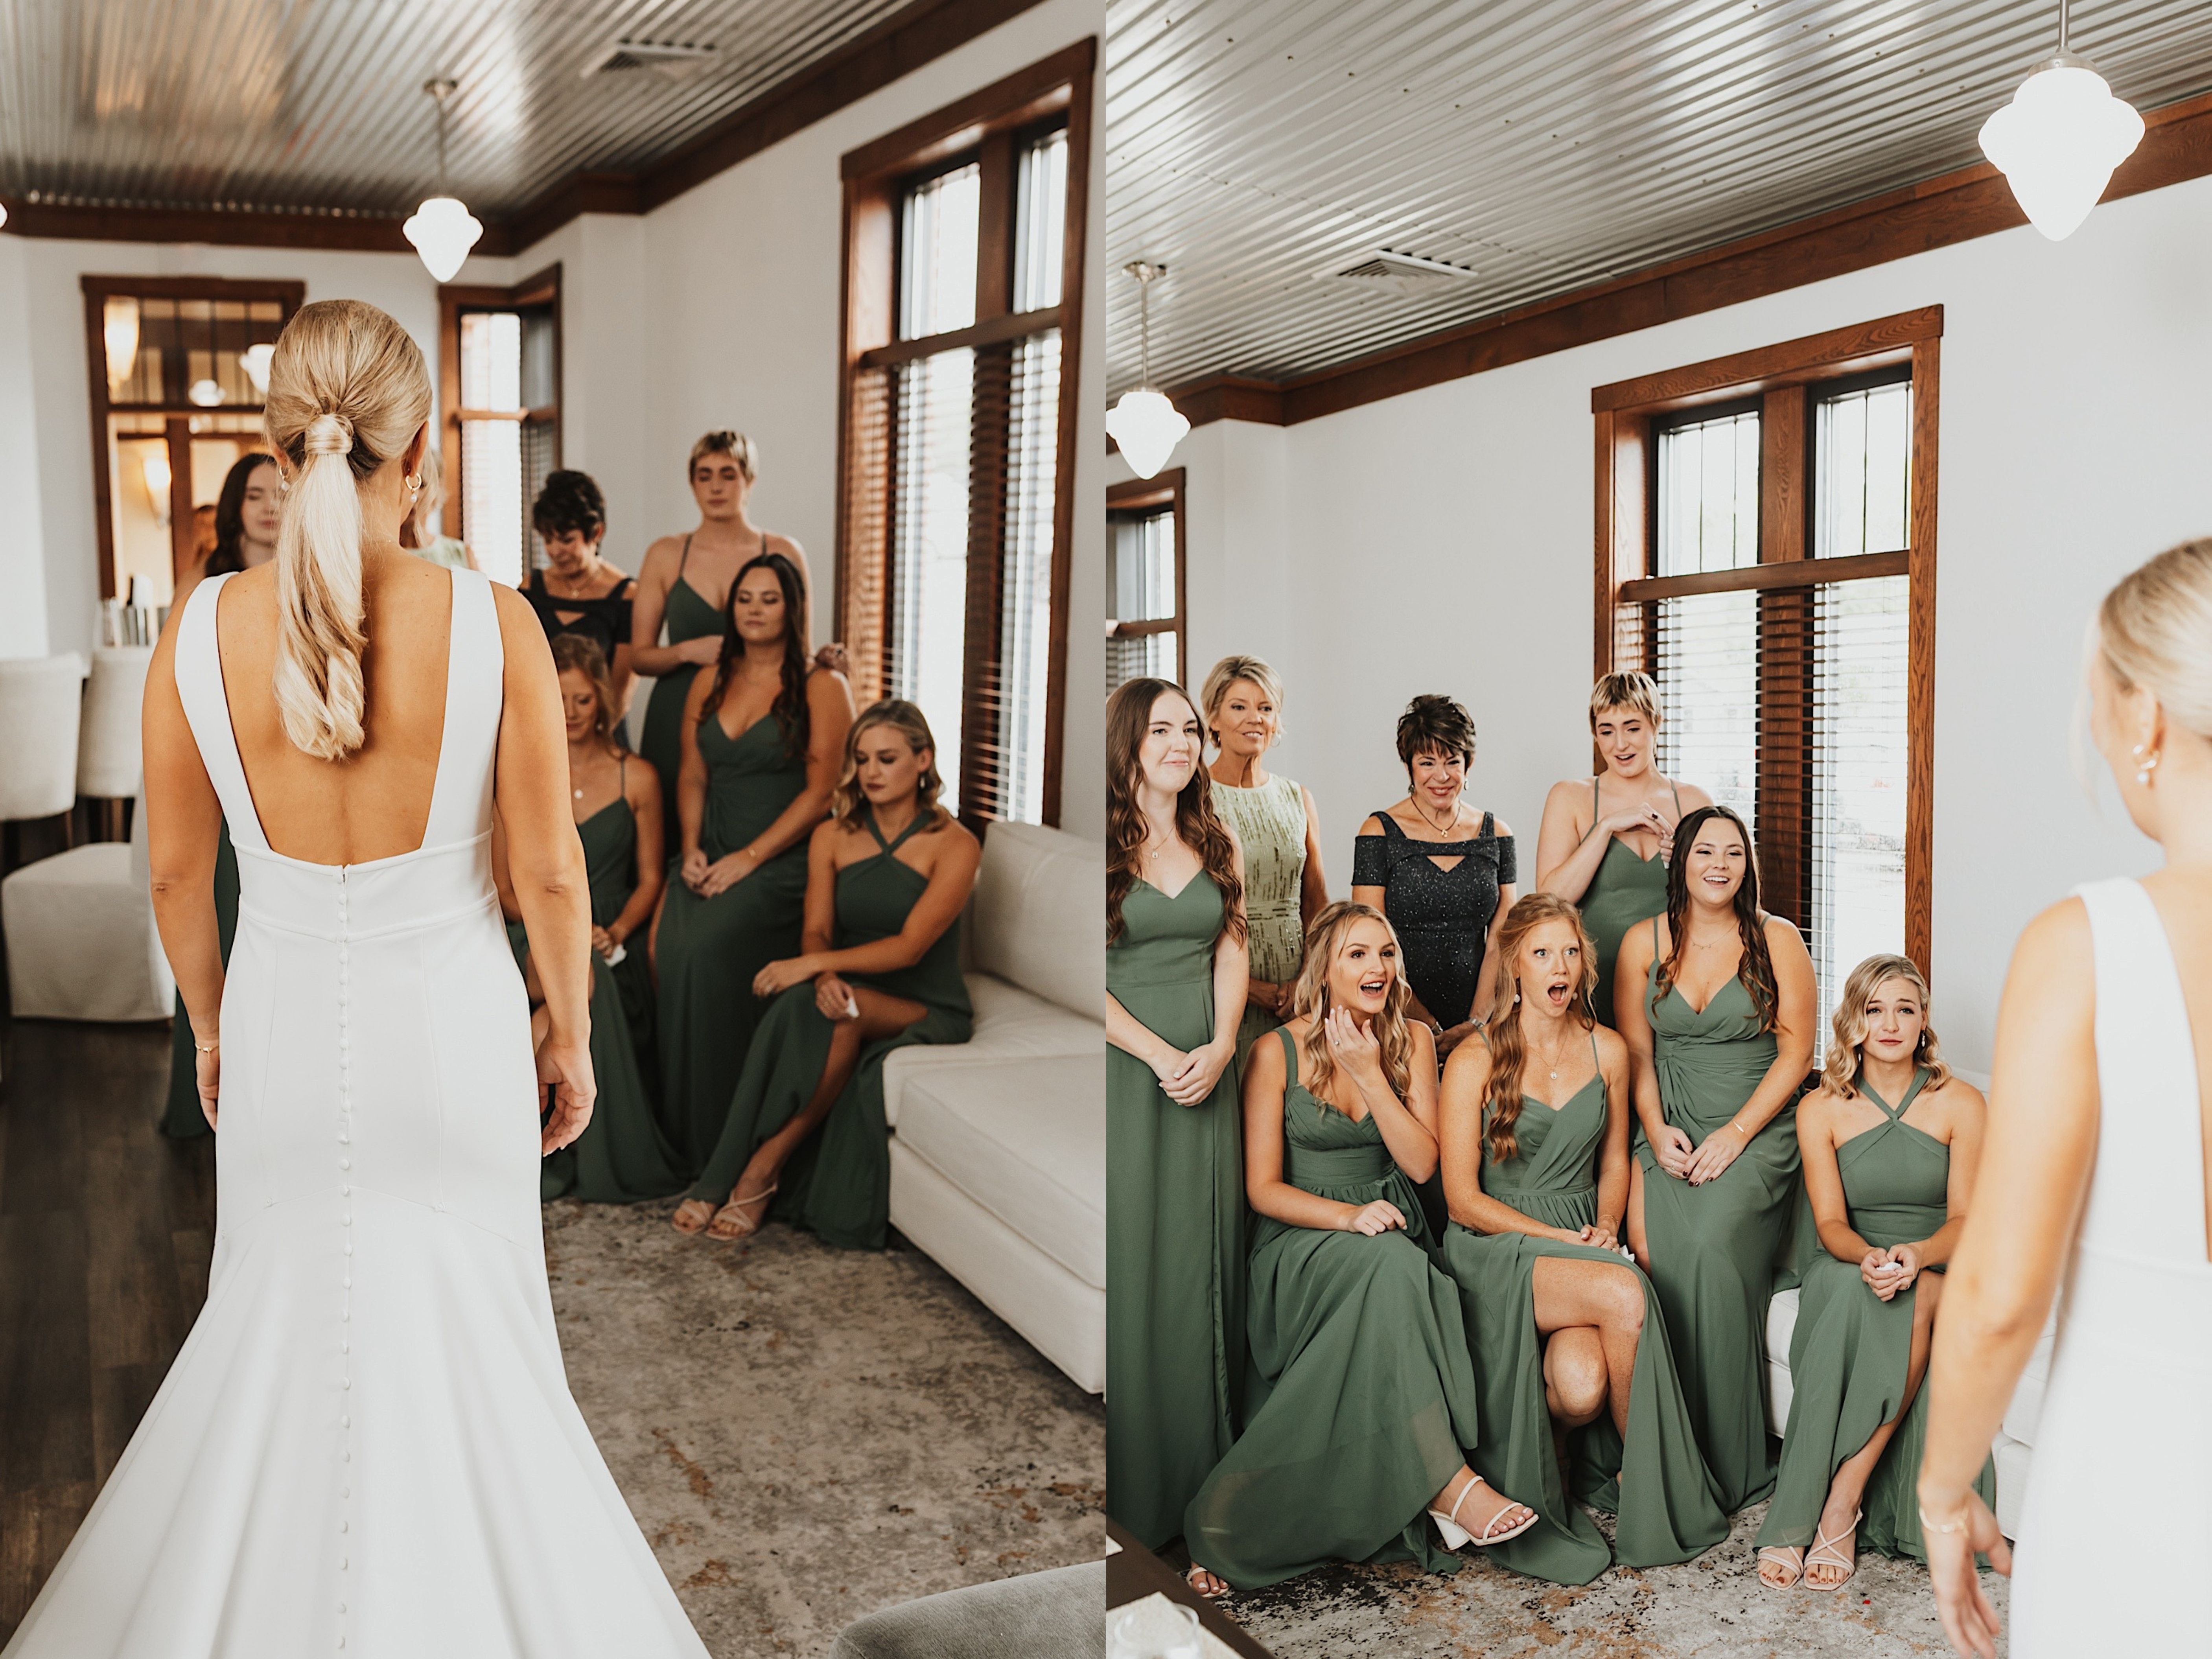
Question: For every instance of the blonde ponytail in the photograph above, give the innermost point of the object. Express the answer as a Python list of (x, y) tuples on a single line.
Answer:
[(347, 393)]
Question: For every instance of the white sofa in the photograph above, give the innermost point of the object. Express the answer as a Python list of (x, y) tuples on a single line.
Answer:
[(80, 937), (999, 1144)]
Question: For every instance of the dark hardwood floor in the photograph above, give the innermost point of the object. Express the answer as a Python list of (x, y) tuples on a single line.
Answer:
[(106, 1228)]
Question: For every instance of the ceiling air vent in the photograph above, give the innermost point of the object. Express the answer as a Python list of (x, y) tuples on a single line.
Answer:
[(675, 60), (1379, 270)]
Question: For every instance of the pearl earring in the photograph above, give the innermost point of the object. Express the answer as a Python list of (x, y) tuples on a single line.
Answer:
[(2146, 764)]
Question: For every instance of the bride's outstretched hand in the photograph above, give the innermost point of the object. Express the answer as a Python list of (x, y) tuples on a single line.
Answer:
[(565, 1068), (1970, 1618)]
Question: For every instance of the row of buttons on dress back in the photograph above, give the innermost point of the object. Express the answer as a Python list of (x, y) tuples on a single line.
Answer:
[(345, 1225)]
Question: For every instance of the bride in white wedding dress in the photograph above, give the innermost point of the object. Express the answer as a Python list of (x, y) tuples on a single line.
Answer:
[(366, 1444)]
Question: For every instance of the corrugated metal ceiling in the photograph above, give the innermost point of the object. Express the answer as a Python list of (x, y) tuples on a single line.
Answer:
[(317, 103), (1546, 144)]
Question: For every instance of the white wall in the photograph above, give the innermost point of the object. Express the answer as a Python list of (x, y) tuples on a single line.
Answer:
[(1442, 541)]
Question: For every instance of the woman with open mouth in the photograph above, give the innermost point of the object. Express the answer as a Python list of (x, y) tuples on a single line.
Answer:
[(1716, 1000), (1579, 1394), (1352, 1326)]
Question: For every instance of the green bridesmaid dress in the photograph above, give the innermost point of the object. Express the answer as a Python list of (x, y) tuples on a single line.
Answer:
[(1174, 1224), (687, 616), (1669, 1506), (711, 949), (181, 1117), (1270, 822), (1713, 1247), (1849, 1354), (622, 1157), (838, 1183), (1625, 890), (1360, 1394)]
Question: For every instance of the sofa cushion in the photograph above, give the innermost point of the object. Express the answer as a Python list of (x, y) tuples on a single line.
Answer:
[(1038, 918), (1010, 1022), (1039, 1615), (1026, 1139), (1781, 1326)]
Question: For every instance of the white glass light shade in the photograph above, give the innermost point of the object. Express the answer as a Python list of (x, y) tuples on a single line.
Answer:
[(2058, 142), (1147, 427), (443, 232), (205, 393), (256, 359), (154, 466), (119, 333)]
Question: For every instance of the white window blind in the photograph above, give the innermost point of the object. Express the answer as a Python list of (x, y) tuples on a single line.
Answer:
[(1140, 579), (1709, 495), (929, 546), (1708, 675)]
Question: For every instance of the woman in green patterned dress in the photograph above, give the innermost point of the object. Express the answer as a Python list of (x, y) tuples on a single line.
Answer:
[(1361, 1398), (1716, 1000), (1569, 1340), (1889, 1185), (1175, 1173), (764, 741), (1275, 823), (878, 968), (622, 1157), (1605, 841)]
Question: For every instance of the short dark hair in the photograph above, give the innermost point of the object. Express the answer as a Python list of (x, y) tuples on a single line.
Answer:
[(1434, 725), (570, 501)]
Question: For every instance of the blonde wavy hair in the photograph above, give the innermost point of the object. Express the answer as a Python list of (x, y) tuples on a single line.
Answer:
[(1310, 1000), (1848, 1026), (1224, 674), (347, 393), (1509, 1043), (846, 801)]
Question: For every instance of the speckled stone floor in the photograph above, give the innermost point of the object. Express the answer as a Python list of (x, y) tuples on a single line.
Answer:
[(807, 1435), (1713, 1608)]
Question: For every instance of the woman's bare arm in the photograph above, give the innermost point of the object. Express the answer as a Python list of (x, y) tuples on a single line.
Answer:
[(1265, 1189), (184, 828), (649, 608), (951, 879), (1567, 854), (642, 788), (1466, 1084)]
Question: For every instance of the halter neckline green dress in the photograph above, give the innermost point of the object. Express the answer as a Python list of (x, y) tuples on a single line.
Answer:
[(1714, 1247), (1361, 1395), (686, 615), (1174, 1224), (622, 1157), (711, 949), (181, 1117), (1669, 1506), (837, 1184), (1625, 890), (1851, 1350)]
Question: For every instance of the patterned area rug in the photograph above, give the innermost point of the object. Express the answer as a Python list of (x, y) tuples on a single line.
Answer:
[(807, 1435)]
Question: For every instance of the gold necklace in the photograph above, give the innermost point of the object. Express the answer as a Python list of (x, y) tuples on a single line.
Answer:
[(1557, 1058), (1444, 828)]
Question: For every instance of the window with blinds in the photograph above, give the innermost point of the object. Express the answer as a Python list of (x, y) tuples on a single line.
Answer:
[(1144, 626), (1773, 597), (502, 412), (958, 442)]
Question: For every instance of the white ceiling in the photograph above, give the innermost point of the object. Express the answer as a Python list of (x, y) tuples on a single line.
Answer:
[(1547, 144)]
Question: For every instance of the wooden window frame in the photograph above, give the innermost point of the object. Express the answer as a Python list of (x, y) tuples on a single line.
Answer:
[(1627, 416), (984, 124), (1136, 495), (290, 294), (541, 288)]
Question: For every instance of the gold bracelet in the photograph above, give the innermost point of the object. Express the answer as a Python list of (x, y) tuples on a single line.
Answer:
[(206, 1047), (1929, 1524)]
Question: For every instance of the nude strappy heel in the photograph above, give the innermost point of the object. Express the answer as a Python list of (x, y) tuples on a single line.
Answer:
[(1835, 1556), (749, 1224), (1778, 1554), (1457, 1537)]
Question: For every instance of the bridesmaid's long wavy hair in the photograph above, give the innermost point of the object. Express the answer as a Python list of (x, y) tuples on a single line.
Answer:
[(1128, 713), (1757, 969), (848, 801), (1509, 1044), (575, 653), (790, 705), (1849, 1024), (1310, 1000)]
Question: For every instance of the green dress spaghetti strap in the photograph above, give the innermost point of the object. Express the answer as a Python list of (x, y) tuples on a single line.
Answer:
[(1668, 1507), (838, 1183), (1174, 1224), (1361, 1393), (686, 615), (1270, 822), (1713, 1247), (711, 949), (1625, 890), (1850, 1352), (181, 1117)]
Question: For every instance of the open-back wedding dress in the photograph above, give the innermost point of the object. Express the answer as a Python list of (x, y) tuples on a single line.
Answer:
[(366, 1444)]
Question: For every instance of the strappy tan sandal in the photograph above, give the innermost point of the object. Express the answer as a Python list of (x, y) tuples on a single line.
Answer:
[(1199, 1589), (697, 1223), (1779, 1554), (1835, 1555), (741, 1225), (1457, 1537)]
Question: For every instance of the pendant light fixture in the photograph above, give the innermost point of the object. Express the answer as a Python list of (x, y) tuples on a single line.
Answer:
[(1145, 424), (442, 230), (2059, 139)]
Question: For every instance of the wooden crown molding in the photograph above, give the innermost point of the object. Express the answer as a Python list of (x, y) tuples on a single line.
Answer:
[(1952, 208), (916, 34)]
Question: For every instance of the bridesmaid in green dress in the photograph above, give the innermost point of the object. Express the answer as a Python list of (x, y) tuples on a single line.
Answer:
[(762, 741), (1569, 1340), (1360, 1396), (182, 1119), (1889, 1185), (622, 1157), (674, 586), (1605, 841), (1716, 998), (878, 968), (1275, 823), (1176, 971)]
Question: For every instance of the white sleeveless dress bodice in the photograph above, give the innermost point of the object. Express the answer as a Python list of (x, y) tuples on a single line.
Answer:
[(2115, 1534), (366, 1446)]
